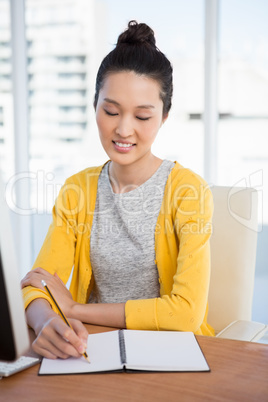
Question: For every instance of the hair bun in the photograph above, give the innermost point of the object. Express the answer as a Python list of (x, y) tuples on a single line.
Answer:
[(137, 34)]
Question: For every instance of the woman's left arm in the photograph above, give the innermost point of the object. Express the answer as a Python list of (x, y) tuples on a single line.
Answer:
[(111, 315)]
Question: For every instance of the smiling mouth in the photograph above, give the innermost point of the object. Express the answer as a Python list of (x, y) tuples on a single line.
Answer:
[(123, 145)]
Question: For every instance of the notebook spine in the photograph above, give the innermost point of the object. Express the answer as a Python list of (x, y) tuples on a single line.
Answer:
[(122, 346)]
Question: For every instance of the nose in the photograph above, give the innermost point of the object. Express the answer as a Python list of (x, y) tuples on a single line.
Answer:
[(125, 127)]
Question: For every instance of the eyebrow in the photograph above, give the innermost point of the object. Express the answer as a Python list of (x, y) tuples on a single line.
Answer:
[(138, 107)]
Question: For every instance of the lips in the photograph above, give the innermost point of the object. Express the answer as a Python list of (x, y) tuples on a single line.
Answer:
[(123, 146)]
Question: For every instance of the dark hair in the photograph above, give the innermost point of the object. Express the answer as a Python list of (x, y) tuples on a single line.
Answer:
[(136, 51)]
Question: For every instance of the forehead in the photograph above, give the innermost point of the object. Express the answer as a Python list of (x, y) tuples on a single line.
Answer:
[(128, 84)]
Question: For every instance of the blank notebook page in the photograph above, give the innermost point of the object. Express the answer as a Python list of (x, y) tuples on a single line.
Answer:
[(163, 350)]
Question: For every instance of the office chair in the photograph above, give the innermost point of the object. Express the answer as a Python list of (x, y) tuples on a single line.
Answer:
[(233, 257)]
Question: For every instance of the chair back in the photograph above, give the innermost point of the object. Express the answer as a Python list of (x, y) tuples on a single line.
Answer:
[(233, 255)]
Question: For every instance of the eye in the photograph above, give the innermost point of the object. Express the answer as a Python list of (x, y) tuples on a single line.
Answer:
[(110, 114), (143, 118)]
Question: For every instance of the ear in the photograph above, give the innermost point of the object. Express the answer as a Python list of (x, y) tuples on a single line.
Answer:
[(164, 118)]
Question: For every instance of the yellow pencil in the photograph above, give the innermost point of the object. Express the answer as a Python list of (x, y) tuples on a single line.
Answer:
[(60, 312)]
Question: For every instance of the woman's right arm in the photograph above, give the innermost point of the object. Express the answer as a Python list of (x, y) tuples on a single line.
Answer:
[(58, 250), (53, 337)]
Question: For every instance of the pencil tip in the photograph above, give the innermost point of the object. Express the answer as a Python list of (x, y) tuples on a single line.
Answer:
[(86, 357)]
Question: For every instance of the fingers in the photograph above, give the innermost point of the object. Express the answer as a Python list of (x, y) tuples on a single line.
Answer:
[(45, 348), (74, 340), (80, 330), (56, 339), (34, 277)]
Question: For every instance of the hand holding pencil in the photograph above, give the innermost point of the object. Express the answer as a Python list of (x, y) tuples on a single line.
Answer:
[(60, 312)]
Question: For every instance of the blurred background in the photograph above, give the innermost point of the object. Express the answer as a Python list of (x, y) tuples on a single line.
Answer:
[(49, 55)]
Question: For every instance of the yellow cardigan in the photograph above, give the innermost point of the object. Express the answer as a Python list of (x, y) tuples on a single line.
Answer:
[(181, 249)]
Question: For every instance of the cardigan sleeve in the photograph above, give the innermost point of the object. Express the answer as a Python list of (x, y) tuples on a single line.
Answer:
[(183, 261), (58, 250)]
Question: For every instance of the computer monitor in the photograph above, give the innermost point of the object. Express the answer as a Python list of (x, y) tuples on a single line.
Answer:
[(14, 337)]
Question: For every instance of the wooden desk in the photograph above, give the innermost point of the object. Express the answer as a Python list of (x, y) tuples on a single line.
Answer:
[(239, 372)]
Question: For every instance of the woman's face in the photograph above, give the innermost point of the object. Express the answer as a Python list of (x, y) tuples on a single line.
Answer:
[(129, 114)]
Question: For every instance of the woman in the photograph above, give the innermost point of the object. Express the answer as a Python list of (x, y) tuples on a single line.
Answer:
[(135, 230)]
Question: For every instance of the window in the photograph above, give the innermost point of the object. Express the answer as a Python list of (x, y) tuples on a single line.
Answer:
[(61, 44), (243, 97), (6, 99)]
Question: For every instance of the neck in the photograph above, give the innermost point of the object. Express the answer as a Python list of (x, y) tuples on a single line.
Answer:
[(125, 178)]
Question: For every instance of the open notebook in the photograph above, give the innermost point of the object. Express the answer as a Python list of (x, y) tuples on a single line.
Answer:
[(133, 350)]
